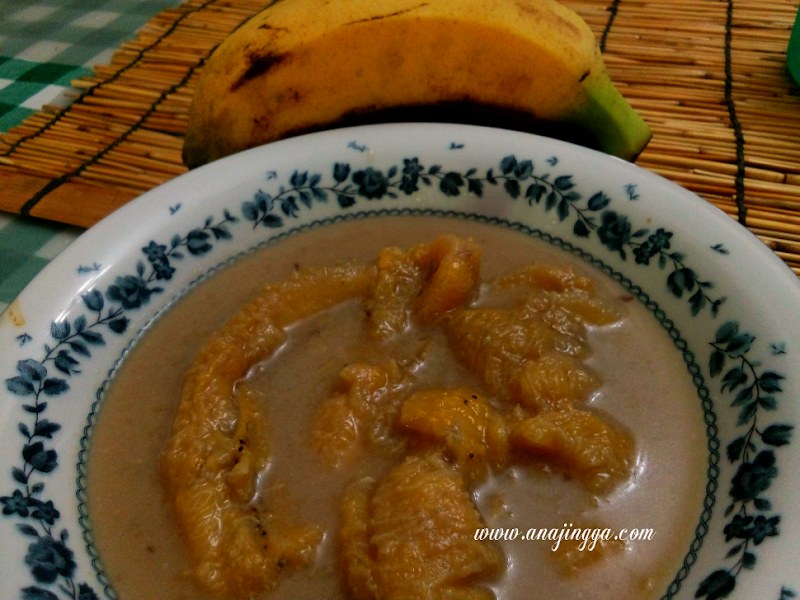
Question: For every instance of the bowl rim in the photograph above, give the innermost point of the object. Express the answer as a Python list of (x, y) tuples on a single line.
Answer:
[(211, 179)]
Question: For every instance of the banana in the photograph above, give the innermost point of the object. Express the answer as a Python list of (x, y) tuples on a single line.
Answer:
[(304, 65)]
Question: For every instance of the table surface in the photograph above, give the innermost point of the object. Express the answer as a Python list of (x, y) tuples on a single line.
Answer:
[(44, 44)]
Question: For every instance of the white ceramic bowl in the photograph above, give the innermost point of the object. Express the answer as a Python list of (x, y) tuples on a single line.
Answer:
[(729, 304)]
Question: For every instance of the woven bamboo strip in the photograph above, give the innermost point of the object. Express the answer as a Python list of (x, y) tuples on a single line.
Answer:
[(765, 234), (697, 164), (123, 102), (670, 153), (90, 180)]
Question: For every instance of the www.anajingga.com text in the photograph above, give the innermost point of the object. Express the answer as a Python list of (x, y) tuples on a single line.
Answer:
[(587, 536)]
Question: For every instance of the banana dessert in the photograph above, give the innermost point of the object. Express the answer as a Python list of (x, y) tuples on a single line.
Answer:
[(305, 65), (342, 414)]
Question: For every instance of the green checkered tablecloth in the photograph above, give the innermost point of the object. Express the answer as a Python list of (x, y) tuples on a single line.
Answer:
[(26, 246), (44, 45)]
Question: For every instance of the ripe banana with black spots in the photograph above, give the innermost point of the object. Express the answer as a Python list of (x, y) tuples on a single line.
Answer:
[(305, 65)]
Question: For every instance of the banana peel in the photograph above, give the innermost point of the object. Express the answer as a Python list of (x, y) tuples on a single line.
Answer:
[(305, 65)]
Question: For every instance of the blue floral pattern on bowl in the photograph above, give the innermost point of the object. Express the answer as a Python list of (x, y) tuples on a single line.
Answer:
[(743, 374)]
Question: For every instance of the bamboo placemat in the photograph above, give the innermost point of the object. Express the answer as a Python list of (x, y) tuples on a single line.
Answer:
[(709, 76)]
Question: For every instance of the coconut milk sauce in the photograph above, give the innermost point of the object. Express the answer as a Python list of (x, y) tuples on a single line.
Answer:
[(646, 389)]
